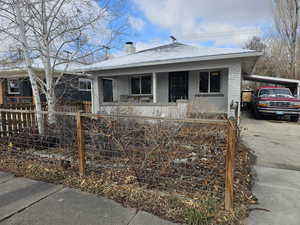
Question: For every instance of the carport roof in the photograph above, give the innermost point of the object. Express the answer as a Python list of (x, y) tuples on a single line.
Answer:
[(272, 80)]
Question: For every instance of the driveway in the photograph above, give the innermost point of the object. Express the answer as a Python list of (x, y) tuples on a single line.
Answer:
[(276, 143), (277, 146)]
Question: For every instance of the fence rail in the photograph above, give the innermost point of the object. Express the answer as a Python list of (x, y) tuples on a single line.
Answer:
[(188, 154), (85, 106)]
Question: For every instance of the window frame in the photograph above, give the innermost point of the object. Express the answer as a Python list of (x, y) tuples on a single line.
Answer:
[(209, 84), (13, 92), (140, 84), (84, 80)]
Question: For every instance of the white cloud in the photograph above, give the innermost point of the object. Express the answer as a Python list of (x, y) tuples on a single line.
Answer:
[(136, 23), (225, 21)]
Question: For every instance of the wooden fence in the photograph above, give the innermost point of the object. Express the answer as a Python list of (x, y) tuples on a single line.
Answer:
[(14, 120), (85, 107)]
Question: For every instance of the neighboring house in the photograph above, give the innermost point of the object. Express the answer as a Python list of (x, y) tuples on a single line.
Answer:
[(15, 85), (171, 80)]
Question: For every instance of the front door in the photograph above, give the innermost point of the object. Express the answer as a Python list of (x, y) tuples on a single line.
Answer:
[(107, 90), (178, 85)]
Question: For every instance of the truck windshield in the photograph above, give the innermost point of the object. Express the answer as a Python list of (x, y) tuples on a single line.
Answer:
[(276, 92)]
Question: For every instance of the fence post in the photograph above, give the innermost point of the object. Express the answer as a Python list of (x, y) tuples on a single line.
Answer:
[(81, 145), (230, 157)]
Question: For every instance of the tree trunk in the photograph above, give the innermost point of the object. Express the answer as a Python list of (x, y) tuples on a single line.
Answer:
[(51, 100), (37, 102), (31, 73)]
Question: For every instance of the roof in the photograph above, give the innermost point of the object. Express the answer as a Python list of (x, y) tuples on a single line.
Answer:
[(9, 69), (272, 80), (170, 53)]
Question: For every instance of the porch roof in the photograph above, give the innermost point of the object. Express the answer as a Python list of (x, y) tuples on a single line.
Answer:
[(169, 54)]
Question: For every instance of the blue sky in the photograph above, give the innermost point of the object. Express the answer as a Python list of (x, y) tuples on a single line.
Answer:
[(218, 23)]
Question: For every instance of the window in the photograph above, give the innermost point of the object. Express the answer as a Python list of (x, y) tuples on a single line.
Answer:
[(84, 84), (141, 85), (13, 86), (210, 82)]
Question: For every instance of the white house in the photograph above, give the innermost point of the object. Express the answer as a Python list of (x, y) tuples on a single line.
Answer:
[(170, 80)]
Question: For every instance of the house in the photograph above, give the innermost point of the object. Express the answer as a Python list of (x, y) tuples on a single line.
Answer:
[(15, 85), (172, 80)]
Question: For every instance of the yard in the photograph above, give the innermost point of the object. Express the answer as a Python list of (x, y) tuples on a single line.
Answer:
[(175, 169)]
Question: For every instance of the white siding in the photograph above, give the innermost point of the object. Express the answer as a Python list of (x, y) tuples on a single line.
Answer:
[(122, 86), (234, 87), (162, 87), (97, 94), (209, 103)]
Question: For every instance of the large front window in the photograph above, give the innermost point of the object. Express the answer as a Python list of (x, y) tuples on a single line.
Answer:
[(141, 85), (210, 82)]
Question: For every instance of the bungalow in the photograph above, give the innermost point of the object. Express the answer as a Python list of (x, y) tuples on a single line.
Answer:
[(172, 80), (15, 85)]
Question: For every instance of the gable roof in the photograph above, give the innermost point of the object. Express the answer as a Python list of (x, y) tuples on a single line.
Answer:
[(170, 53)]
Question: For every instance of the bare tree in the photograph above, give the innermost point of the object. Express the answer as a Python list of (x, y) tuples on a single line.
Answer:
[(256, 43), (58, 32), (286, 17), (276, 58)]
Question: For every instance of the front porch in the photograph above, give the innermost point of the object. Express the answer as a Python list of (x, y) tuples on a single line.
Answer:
[(173, 94)]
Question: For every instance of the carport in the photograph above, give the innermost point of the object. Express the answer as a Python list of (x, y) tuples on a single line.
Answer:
[(294, 85)]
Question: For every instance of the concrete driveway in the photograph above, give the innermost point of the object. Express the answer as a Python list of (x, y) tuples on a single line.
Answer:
[(276, 143), (277, 146)]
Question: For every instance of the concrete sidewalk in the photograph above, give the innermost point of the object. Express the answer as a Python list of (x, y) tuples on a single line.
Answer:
[(278, 192), (28, 202)]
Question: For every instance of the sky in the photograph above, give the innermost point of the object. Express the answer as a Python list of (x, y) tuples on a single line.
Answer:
[(216, 23)]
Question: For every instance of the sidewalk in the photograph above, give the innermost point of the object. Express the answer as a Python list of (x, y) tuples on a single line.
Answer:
[(28, 202)]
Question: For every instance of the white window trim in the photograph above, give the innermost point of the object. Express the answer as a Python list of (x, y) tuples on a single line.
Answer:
[(209, 74), (84, 80), (140, 84), (12, 92)]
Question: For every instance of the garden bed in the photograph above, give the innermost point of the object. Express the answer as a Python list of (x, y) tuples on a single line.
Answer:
[(169, 197)]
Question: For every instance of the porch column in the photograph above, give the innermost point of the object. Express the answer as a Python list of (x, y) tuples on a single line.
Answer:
[(298, 91), (154, 87), (97, 94)]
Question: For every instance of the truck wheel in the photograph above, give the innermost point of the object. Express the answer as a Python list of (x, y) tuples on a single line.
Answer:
[(294, 118)]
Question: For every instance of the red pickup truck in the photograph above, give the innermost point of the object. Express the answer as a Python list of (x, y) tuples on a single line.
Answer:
[(275, 101)]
